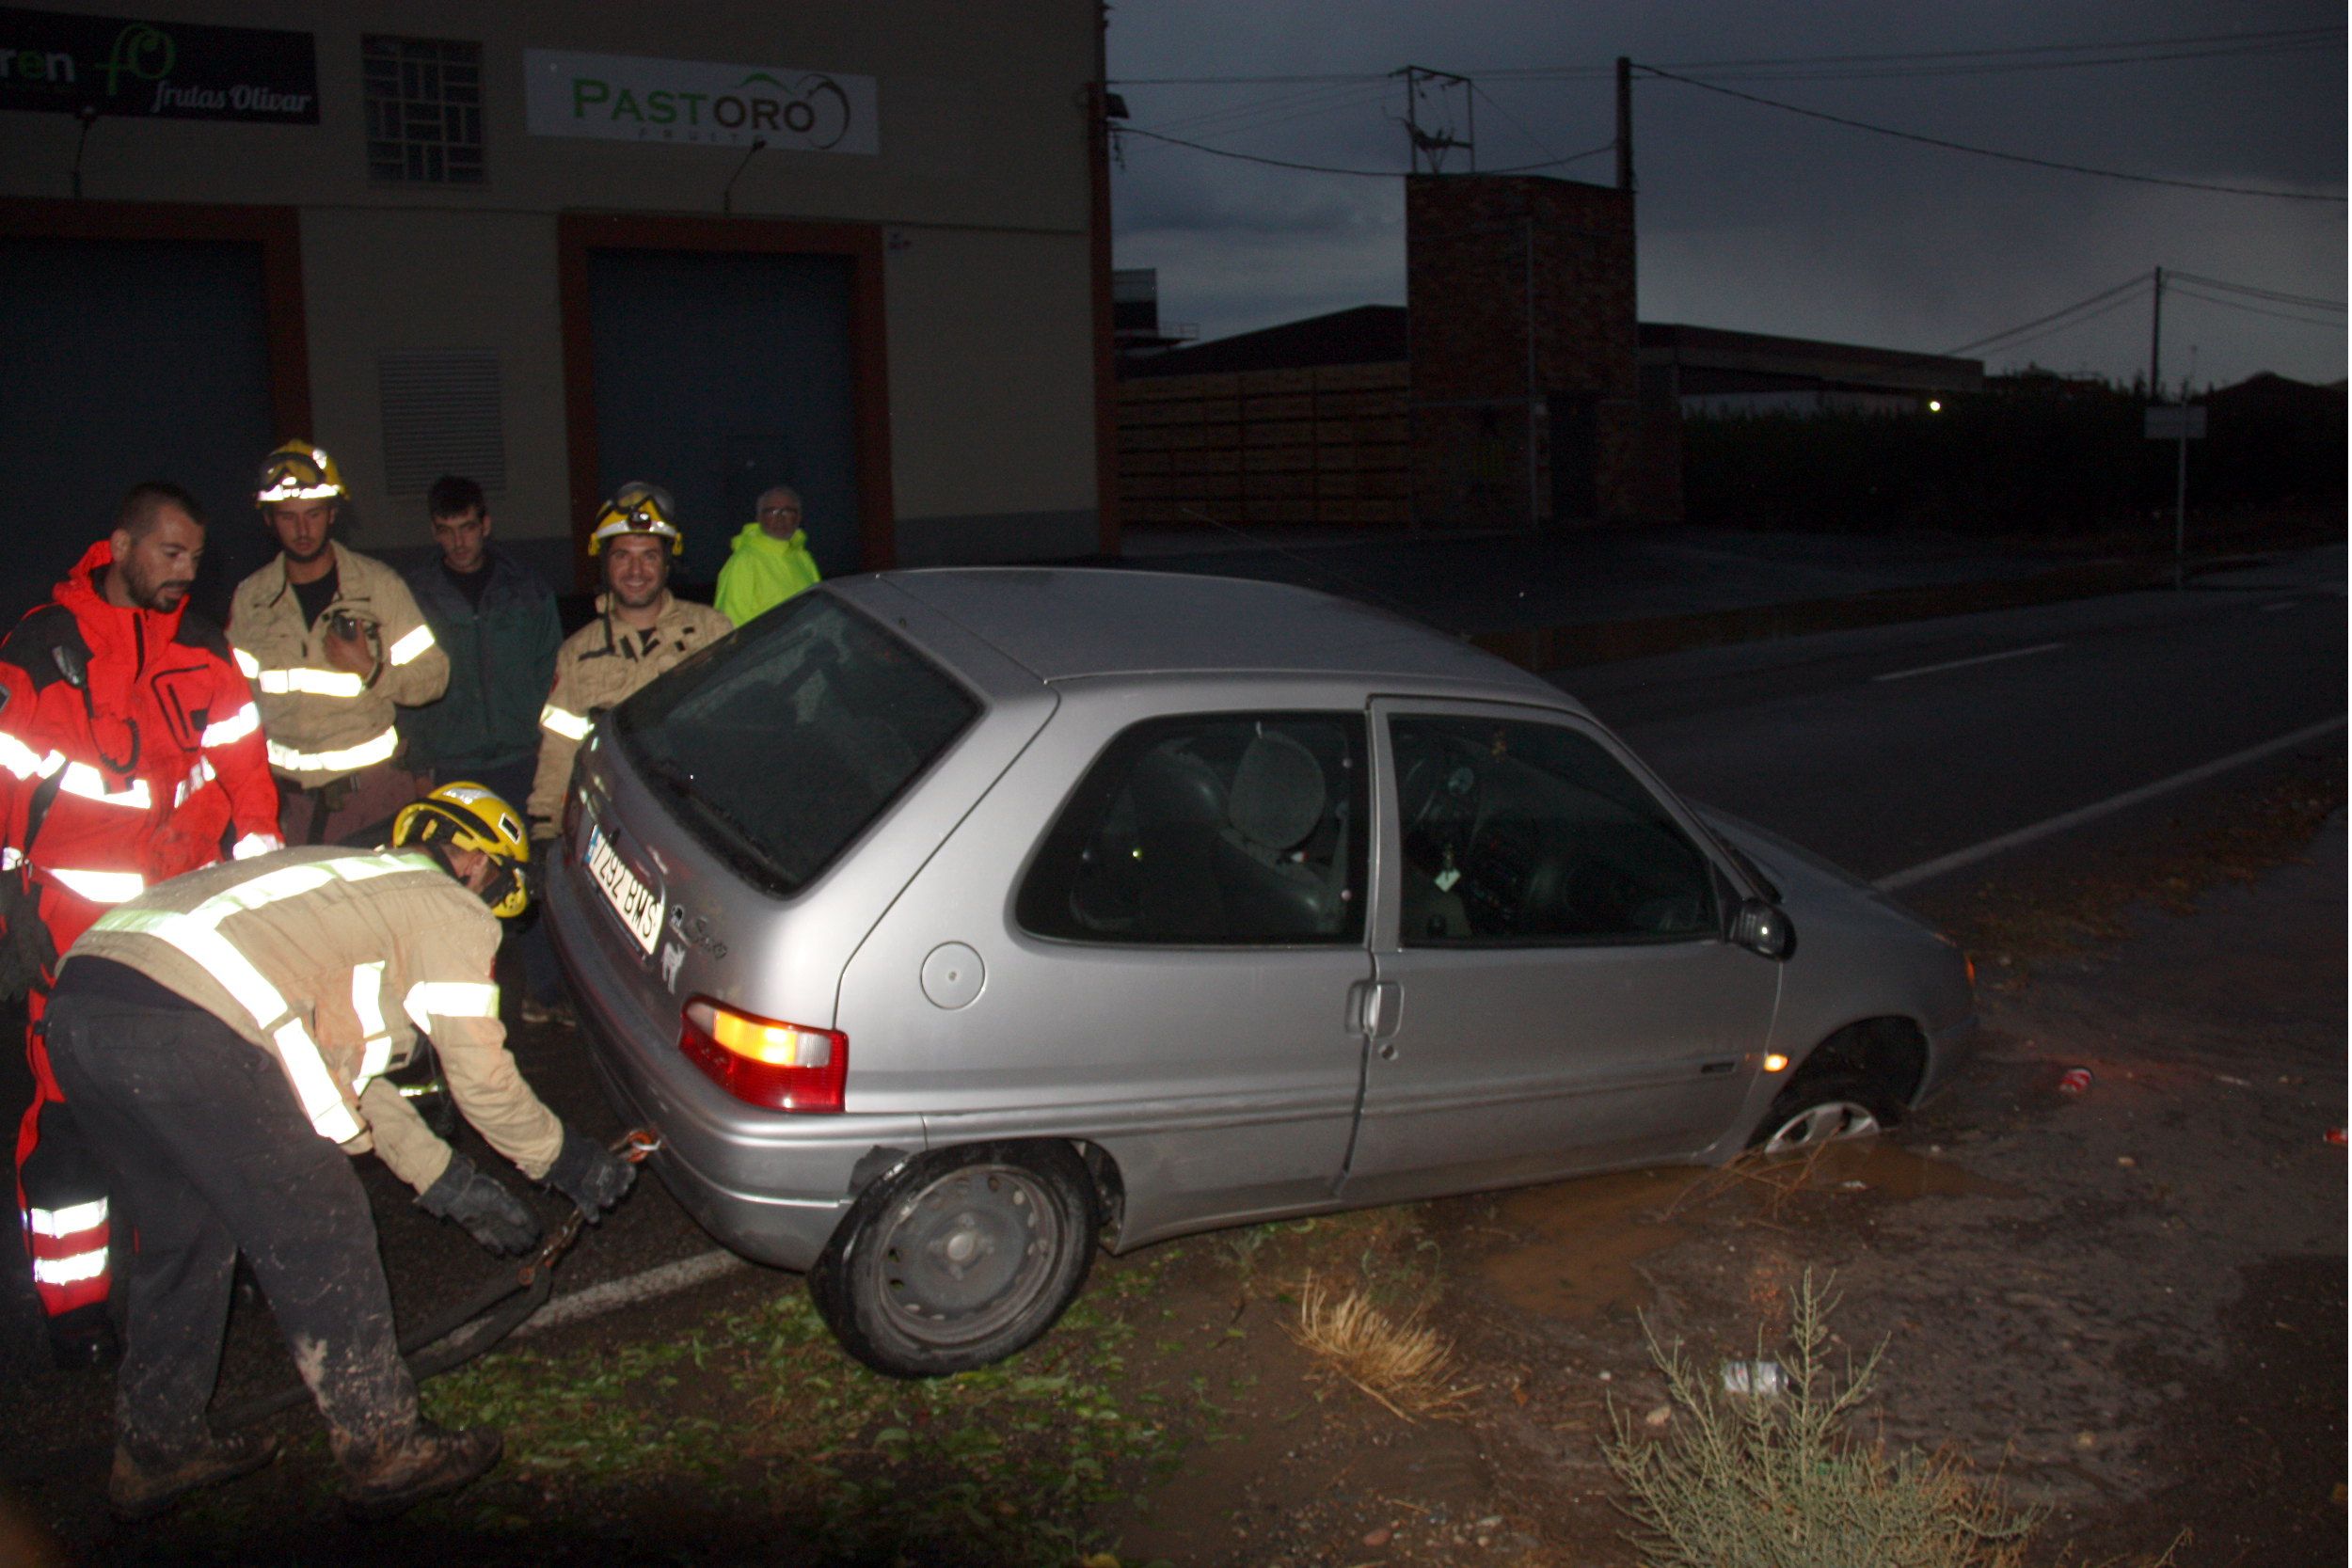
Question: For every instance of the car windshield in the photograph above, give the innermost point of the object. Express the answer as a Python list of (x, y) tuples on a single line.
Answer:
[(781, 746)]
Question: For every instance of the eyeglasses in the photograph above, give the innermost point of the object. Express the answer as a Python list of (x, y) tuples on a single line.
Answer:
[(786, 510)]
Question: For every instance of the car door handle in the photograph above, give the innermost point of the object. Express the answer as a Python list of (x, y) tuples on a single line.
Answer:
[(1716, 1070), (1374, 1007)]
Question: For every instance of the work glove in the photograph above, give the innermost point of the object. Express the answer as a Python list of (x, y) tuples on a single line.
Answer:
[(590, 1175), (490, 1214)]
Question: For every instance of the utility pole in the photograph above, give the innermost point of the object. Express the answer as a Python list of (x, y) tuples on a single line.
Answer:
[(2155, 343), (1434, 145), (1533, 515), (1625, 125)]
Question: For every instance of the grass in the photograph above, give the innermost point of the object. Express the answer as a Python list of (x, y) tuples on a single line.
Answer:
[(1781, 1483), (1403, 1364)]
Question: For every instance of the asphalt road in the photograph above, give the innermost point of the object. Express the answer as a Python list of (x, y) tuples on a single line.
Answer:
[(1886, 748), (1880, 748)]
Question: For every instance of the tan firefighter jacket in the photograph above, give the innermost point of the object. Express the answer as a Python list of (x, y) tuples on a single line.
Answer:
[(331, 960), (602, 663), (323, 722)]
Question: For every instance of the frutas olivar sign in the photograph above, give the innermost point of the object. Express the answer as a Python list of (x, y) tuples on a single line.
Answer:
[(697, 103), (114, 65)]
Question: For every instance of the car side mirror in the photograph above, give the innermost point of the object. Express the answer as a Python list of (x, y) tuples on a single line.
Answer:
[(1761, 928)]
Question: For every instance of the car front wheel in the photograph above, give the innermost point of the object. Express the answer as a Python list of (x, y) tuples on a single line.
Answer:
[(960, 1257), (1817, 1108)]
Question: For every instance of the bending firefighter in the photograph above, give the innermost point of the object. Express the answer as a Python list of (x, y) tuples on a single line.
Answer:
[(333, 643), (640, 631), (130, 751), (223, 1037)]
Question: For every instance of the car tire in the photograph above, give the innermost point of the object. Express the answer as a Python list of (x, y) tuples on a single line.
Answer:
[(959, 1259), (1818, 1107)]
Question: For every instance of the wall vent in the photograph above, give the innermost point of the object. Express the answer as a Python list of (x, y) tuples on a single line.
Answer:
[(442, 416)]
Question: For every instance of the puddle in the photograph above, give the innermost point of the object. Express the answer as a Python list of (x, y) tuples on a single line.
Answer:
[(1579, 1244), (1577, 1247)]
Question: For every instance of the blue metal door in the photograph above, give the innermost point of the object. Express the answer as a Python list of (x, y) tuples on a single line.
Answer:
[(123, 361), (719, 374)]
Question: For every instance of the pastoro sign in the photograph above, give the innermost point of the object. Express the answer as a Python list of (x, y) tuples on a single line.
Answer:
[(636, 98)]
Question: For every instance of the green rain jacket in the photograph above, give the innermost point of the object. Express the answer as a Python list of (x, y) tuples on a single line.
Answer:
[(762, 572)]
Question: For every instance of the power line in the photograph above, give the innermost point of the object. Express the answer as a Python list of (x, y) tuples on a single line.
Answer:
[(1252, 158), (2274, 295), (1985, 151), (2255, 309), (2110, 308), (2130, 286)]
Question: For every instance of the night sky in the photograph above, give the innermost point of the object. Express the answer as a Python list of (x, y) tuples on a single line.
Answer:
[(1754, 218)]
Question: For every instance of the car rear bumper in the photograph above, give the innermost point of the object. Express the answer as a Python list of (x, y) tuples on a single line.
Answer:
[(766, 1184)]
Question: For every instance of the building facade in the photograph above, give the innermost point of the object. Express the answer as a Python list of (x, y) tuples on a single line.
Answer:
[(559, 247)]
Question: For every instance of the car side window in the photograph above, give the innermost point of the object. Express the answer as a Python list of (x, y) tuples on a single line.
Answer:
[(1210, 829), (1517, 832)]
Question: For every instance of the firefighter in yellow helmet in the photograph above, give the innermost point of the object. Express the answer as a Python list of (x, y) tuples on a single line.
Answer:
[(225, 1036), (332, 642), (640, 630)]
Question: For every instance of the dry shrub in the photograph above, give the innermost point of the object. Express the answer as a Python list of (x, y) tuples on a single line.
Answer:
[(1779, 1482), (1404, 1364)]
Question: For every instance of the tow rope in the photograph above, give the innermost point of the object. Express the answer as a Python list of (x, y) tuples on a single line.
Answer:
[(467, 1330)]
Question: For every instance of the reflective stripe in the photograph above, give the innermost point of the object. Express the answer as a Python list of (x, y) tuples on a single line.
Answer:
[(70, 1271), (571, 726), (10, 857), (321, 1100), (67, 1221), (90, 784), (246, 664), (366, 1001), (98, 887), (350, 760), (199, 776), (23, 761), (255, 844), (410, 646), (234, 728), (429, 999), (313, 683), (196, 934)]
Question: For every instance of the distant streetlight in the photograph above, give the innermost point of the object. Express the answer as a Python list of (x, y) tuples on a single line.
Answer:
[(1936, 405)]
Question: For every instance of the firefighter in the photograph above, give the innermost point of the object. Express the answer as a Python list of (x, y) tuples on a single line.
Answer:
[(333, 643), (640, 631), (222, 1034), (130, 750)]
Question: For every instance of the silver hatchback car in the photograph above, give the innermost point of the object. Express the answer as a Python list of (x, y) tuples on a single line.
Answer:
[(946, 924)]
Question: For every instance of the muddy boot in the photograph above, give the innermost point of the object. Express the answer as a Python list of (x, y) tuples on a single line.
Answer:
[(395, 1475), (147, 1480)]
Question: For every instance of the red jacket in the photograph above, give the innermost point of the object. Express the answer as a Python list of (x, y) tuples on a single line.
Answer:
[(130, 750)]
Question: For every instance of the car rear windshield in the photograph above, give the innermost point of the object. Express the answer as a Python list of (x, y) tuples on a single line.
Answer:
[(780, 747)]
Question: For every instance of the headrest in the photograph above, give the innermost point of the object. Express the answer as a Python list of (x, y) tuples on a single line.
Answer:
[(1277, 796)]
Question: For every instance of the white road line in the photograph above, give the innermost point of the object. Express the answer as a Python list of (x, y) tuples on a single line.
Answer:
[(613, 1295), (1964, 663), (2073, 819)]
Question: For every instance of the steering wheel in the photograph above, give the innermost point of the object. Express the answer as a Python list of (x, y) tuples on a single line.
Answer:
[(1439, 790)]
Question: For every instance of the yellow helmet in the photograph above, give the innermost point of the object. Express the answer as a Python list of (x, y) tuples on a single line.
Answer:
[(298, 471), (470, 816), (638, 508)]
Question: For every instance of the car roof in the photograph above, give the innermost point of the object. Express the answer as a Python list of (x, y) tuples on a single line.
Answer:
[(1079, 623)]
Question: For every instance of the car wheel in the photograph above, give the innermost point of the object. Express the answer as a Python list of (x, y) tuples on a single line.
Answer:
[(959, 1259), (1821, 1107)]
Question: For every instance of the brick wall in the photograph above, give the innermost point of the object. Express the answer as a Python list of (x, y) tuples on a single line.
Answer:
[(1325, 446), (1480, 249)]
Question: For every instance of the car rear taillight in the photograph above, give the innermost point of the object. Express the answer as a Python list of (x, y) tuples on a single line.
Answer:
[(785, 1066)]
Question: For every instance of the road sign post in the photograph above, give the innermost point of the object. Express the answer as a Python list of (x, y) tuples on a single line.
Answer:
[(2181, 424)]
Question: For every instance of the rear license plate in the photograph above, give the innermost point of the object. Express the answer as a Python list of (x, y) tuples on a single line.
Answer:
[(638, 905)]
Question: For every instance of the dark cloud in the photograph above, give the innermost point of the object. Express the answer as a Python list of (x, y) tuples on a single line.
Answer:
[(1753, 217)]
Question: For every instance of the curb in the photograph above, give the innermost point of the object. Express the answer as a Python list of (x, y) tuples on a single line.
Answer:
[(1543, 649)]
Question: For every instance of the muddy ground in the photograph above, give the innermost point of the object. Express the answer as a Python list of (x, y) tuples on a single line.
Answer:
[(2128, 1305)]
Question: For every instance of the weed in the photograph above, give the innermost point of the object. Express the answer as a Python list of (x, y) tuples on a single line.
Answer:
[(1404, 1364), (1778, 1482)]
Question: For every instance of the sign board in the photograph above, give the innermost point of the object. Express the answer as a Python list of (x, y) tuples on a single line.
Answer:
[(695, 102), (64, 63), (2178, 423)]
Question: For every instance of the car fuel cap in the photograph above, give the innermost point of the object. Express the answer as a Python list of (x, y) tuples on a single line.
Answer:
[(952, 975)]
